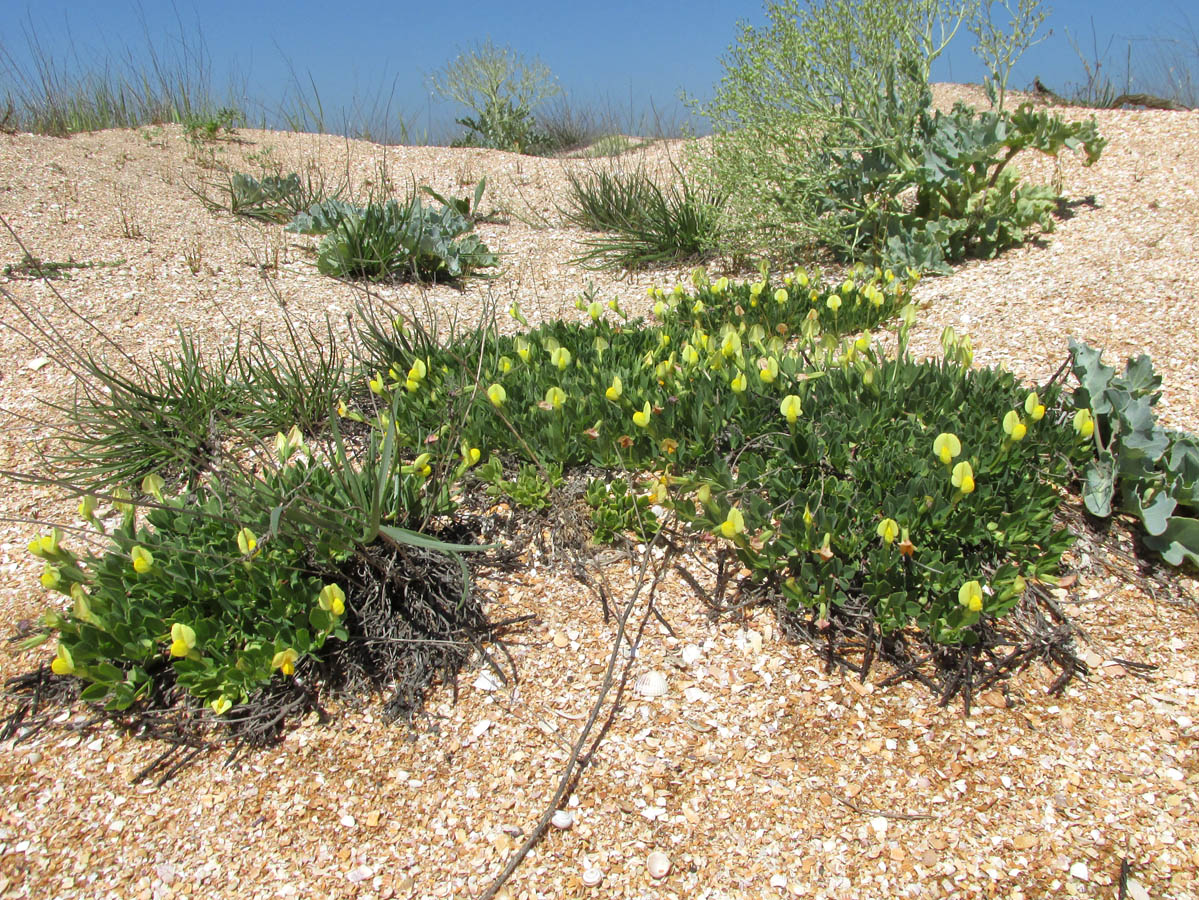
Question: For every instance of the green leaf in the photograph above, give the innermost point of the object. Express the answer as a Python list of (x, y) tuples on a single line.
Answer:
[(1100, 485)]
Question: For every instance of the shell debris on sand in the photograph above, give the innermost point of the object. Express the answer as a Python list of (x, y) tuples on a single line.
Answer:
[(657, 864)]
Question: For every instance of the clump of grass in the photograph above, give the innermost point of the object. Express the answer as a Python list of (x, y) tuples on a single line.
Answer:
[(47, 95), (644, 224)]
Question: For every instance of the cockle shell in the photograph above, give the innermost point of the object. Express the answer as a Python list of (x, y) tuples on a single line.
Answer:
[(657, 864), (563, 818), (651, 684)]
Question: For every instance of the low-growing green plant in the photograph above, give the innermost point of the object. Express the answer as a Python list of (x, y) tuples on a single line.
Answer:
[(532, 487), (645, 224), (1138, 468), (32, 267), (1000, 47), (394, 240), (212, 126), (617, 510)]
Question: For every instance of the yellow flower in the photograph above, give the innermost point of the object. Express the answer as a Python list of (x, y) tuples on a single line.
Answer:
[(332, 599), (801, 276), (83, 609), (731, 345), (947, 446), (376, 384), (497, 395), (505, 365), (791, 408), (64, 663), (808, 518), (615, 389), (560, 358), (970, 595), (51, 578), (555, 397), (862, 344), (669, 445), (143, 560), (768, 369), (888, 530), (641, 417), (697, 307), (963, 477), (152, 484), (471, 455), (87, 508), (738, 383), (522, 349), (595, 309), (660, 310), (704, 494), (733, 524), (46, 547), (1084, 423), (285, 661), (756, 288), (183, 639), (1013, 427), (690, 355), (342, 409), (833, 302), (1034, 407), (720, 286), (514, 312), (246, 542), (780, 296), (847, 286), (221, 705), (287, 444)]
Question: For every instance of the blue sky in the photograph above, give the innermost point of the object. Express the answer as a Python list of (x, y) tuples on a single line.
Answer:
[(619, 55)]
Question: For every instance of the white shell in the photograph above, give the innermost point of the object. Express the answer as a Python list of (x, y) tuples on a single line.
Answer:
[(691, 653), (592, 876), (657, 864), (651, 684), (563, 818)]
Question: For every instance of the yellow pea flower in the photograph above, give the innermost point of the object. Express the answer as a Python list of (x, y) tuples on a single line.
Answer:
[(497, 395), (704, 494), (780, 296), (153, 484), (947, 446), (970, 595), (514, 312), (46, 547), (690, 355), (888, 530), (595, 309), (183, 639), (143, 560), (221, 705), (660, 310), (801, 276), (1034, 407), (738, 383), (963, 477), (768, 369), (808, 518), (1084, 423), (82, 609), (833, 302), (87, 508), (332, 599), (555, 397), (505, 365), (64, 663), (51, 578), (246, 542), (862, 344), (471, 456), (791, 408), (730, 346), (560, 358), (418, 371), (755, 289), (522, 349), (285, 661), (733, 524), (697, 307), (1013, 427), (642, 416), (615, 389), (376, 384)]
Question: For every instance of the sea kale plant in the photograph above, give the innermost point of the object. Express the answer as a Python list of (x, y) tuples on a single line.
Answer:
[(394, 239), (1138, 468)]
